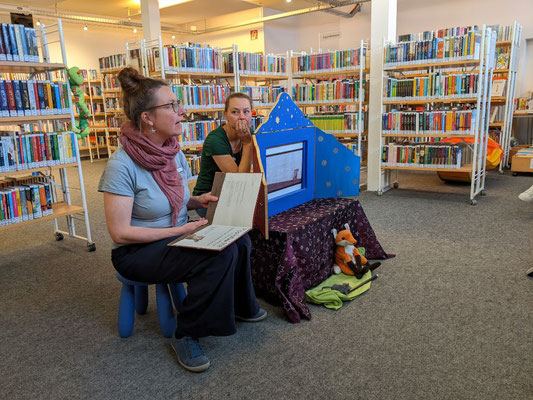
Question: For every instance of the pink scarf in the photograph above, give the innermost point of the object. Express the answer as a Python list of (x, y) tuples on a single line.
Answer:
[(160, 161)]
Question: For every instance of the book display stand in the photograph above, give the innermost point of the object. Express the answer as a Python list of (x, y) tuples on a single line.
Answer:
[(437, 87), (333, 85), (110, 66), (27, 187), (505, 74)]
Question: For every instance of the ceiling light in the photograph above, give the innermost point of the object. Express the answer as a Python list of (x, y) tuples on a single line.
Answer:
[(134, 30), (38, 22), (193, 28), (173, 36), (288, 1), (85, 28)]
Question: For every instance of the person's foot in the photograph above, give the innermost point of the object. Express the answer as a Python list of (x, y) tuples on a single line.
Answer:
[(259, 316), (527, 195), (190, 354)]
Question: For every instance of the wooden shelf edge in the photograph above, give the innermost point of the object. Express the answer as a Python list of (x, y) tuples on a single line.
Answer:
[(60, 209), (433, 169)]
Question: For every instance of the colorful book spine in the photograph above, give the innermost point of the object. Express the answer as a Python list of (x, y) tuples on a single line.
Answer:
[(21, 97), (256, 64), (194, 133), (263, 95), (114, 61)]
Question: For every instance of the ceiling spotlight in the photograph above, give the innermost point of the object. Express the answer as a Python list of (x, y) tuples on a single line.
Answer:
[(85, 28), (134, 30), (288, 1), (38, 22), (193, 28), (173, 37)]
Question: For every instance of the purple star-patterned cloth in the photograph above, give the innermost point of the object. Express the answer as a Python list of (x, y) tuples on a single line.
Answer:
[(300, 252)]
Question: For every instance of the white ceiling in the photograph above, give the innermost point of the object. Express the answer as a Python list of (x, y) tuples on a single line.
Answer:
[(176, 15)]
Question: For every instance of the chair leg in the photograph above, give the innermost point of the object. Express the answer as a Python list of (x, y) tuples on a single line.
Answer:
[(126, 311), (165, 311), (141, 299), (177, 290)]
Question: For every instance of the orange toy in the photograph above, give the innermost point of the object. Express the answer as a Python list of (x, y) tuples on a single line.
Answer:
[(347, 257)]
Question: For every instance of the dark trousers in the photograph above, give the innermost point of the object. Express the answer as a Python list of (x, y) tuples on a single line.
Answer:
[(219, 284)]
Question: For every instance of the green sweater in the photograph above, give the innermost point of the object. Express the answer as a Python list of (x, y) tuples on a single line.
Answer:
[(215, 144)]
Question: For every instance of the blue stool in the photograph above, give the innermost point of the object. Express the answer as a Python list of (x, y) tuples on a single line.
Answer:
[(134, 297)]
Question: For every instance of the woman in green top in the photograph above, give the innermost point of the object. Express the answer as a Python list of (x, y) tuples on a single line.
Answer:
[(229, 147)]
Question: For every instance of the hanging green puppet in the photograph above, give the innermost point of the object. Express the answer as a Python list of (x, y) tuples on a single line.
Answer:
[(75, 78)]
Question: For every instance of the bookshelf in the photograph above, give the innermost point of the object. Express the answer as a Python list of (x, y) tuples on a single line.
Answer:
[(110, 66), (97, 124), (331, 91), (435, 105), (34, 143), (505, 74)]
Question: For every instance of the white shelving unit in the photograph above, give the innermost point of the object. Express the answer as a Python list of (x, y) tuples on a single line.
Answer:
[(483, 65), (64, 207)]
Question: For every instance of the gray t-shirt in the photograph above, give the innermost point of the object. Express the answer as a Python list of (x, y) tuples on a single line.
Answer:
[(151, 208)]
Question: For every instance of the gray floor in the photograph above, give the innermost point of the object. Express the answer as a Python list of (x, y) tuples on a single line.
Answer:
[(449, 318)]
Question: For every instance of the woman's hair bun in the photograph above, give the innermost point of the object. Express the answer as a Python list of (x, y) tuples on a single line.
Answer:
[(130, 79)]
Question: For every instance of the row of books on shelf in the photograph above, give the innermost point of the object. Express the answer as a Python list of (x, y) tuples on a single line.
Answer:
[(18, 43), (435, 85), (20, 98), (340, 60), (497, 114), (23, 199), (194, 164), (194, 133), (201, 96), (90, 75), (97, 108), (111, 82), (354, 147), (503, 32), (193, 59), (438, 33), (256, 63), (112, 103), (339, 90), (263, 95), (95, 91), (113, 122), (437, 49), (450, 122), (114, 61), (334, 123), (20, 151), (421, 156)]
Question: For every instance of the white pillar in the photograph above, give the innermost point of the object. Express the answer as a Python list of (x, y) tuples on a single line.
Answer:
[(382, 26), (151, 19)]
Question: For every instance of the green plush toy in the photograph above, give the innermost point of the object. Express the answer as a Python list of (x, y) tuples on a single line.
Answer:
[(75, 78)]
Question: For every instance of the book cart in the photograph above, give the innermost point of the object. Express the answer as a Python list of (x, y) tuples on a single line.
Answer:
[(505, 71), (30, 152), (333, 85), (110, 66), (437, 88)]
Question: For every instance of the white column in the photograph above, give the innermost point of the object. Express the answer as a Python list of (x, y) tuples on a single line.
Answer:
[(383, 26), (151, 19)]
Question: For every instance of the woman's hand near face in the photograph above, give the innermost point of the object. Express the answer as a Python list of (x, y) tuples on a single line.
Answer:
[(243, 131)]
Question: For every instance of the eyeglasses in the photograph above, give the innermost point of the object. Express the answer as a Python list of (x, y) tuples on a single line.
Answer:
[(175, 106)]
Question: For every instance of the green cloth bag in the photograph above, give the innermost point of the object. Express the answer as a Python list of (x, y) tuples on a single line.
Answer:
[(333, 299)]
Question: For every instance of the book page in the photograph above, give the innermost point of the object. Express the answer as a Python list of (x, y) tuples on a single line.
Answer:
[(236, 202), (212, 237)]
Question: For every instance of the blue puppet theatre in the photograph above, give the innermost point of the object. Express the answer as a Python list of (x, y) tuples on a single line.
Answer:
[(300, 161)]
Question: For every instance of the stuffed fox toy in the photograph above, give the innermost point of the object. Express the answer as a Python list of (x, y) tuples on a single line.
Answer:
[(347, 257)]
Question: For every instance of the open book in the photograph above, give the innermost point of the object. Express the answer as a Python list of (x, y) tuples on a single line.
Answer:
[(230, 217)]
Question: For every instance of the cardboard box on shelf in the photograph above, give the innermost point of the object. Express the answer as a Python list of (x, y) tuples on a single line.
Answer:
[(522, 161)]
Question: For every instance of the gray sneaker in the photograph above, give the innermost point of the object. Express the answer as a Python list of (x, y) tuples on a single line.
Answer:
[(190, 354), (259, 316)]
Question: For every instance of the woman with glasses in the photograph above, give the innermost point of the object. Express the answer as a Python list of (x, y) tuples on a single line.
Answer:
[(146, 198), (227, 148)]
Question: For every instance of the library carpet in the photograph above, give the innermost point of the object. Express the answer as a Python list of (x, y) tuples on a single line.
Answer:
[(450, 317)]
